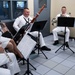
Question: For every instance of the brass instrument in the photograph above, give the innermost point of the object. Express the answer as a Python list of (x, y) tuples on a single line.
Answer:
[(4, 29), (54, 21), (3, 26)]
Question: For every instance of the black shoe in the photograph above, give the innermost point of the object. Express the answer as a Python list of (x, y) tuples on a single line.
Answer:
[(17, 57), (45, 48), (56, 42), (67, 45), (33, 52)]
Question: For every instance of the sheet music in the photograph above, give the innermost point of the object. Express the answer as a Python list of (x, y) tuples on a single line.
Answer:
[(26, 46)]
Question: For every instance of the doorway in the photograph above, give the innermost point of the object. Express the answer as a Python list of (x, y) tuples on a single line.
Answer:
[(45, 14)]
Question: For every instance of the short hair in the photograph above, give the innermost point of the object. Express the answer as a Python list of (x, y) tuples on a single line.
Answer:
[(63, 6), (25, 8)]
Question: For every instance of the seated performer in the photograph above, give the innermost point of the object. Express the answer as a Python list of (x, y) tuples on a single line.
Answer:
[(10, 60), (9, 43), (58, 29), (25, 19)]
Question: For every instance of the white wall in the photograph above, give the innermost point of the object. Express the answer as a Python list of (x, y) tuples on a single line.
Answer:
[(31, 7)]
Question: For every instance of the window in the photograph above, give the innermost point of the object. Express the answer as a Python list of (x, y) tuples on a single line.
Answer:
[(5, 4), (20, 5)]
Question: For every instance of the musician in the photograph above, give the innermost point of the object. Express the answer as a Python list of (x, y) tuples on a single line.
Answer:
[(23, 20), (59, 29), (11, 65), (8, 43)]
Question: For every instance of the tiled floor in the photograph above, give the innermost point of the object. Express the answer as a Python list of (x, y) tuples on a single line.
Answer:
[(60, 63)]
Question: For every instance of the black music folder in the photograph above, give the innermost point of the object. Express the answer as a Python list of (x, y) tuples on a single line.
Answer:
[(39, 25), (65, 21)]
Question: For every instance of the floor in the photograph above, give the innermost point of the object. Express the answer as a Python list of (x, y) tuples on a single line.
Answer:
[(60, 63)]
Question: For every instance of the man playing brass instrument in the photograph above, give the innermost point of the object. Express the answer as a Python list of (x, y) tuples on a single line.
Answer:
[(59, 29)]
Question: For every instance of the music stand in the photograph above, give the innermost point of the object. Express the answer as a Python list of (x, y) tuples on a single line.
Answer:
[(26, 46), (65, 22), (38, 26)]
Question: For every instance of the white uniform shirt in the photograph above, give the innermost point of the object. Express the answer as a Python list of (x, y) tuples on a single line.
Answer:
[(20, 21), (59, 15)]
